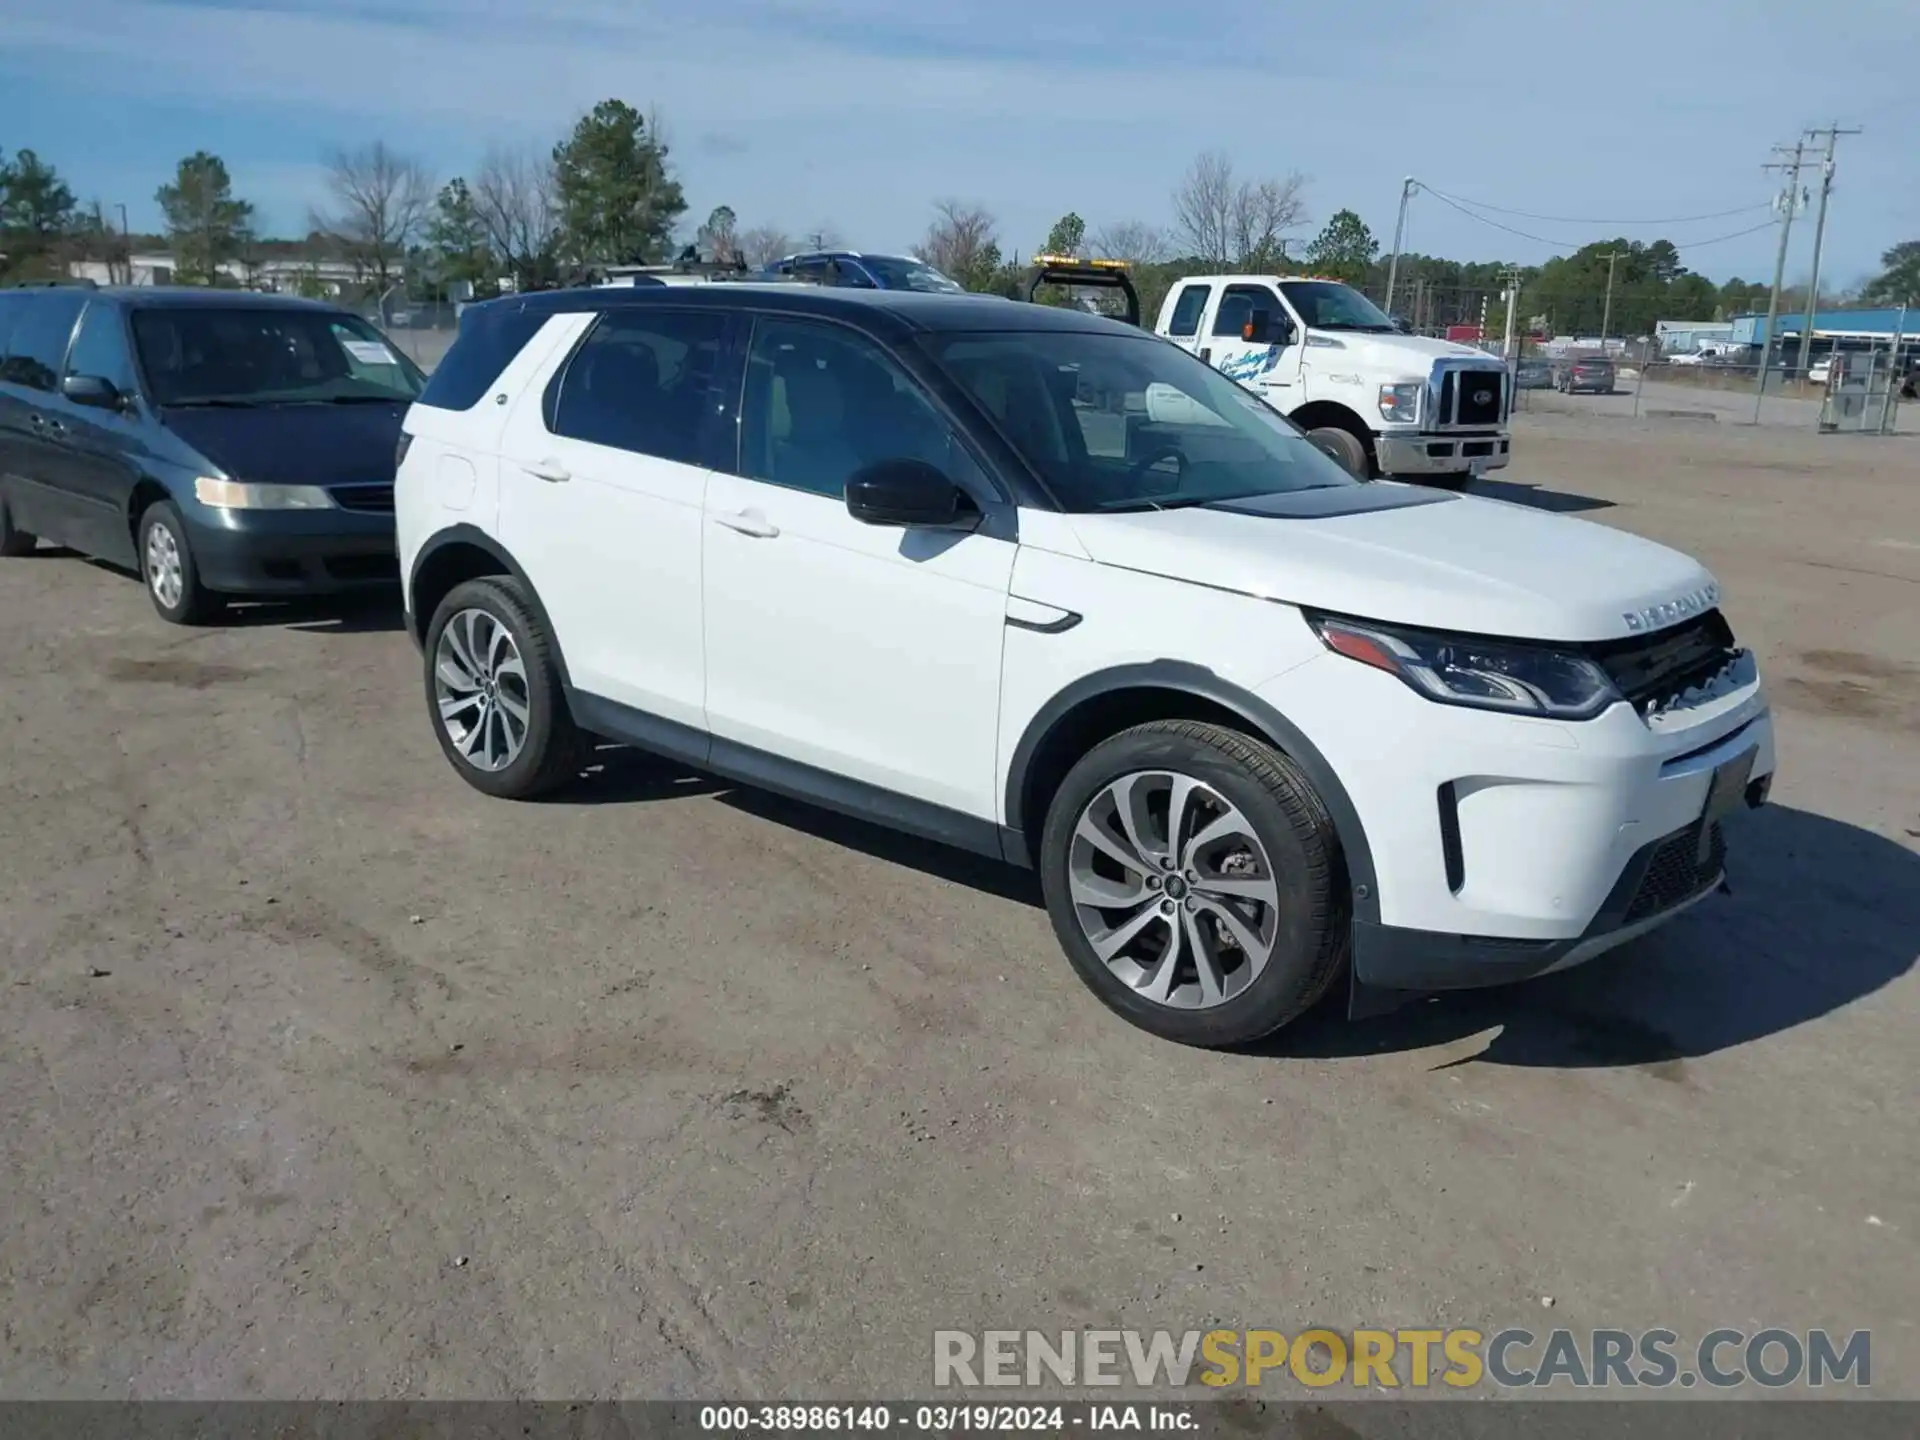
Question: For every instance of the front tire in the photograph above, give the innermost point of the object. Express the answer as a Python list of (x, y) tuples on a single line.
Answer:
[(168, 569), (494, 692), (1344, 448), (1195, 881)]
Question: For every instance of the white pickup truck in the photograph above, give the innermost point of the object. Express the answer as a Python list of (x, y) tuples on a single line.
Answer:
[(1380, 402)]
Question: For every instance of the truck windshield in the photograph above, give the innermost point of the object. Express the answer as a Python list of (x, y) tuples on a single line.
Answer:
[(1123, 422), (1329, 305)]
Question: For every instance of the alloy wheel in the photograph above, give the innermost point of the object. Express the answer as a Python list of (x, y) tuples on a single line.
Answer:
[(1173, 889), (480, 690), (165, 574)]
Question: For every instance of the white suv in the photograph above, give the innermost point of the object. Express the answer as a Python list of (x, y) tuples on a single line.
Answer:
[(1033, 583)]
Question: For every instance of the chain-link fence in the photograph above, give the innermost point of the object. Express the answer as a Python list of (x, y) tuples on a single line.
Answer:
[(422, 331)]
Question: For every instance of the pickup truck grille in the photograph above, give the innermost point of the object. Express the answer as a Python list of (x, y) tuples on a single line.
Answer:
[(1461, 401), (1653, 670)]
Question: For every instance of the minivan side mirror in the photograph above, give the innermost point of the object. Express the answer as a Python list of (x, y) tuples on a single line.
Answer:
[(909, 492), (95, 390)]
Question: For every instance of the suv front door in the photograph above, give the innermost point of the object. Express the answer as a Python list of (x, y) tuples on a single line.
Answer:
[(104, 445), (866, 651), (602, 483)]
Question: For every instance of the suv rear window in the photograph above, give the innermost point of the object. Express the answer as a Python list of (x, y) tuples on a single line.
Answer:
[(489, 338)]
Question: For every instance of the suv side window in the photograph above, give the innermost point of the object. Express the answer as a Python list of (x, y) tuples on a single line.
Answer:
[(13, 304), (38, 344), (1188, 309), (1237, 307), (640, 382), (100, 348), (821, 403), (487, 343), (815, 269)]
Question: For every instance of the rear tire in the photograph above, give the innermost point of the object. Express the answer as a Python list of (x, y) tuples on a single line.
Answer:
[(1212, 930), (168, 570), (1344, 448), (494, 692), (13, 542)]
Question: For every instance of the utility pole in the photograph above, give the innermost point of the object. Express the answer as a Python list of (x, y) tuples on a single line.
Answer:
[(1606, 310), (1513, 308), (1789, 199), (1832, 134), (1407, 187)]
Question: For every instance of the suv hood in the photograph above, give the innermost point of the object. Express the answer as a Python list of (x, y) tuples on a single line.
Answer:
[(294, 444), (1391, 552)]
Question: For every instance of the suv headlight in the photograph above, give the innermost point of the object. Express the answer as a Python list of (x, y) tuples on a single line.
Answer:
[(245, 495), (1400, 402), (1515, 677)]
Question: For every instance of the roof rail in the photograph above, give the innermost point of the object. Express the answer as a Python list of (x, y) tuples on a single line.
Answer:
[(75, 283)]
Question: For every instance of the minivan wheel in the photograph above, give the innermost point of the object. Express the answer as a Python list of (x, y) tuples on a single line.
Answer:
[(168, 569), (1343, 447), (13, 542), (494, 691), (1194, 879)]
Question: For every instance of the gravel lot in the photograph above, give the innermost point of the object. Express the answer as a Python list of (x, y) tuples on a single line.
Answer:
[(324, 1076)]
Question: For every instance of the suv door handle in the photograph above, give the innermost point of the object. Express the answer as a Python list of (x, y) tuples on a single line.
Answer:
[(749, 522), (551, 471)]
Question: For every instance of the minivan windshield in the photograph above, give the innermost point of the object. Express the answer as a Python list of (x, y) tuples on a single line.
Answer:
[(1114, 421), (902, 272), (234, 355), (1329, 305)]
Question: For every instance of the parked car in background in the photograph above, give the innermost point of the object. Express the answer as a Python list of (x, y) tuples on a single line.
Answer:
[(1533, 375), (1820, 371), (1033, 583), (1587, 375), (221, 443), (861, 270)]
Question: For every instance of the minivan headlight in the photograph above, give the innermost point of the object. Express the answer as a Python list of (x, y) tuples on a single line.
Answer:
[(1400, 402), (245, 495), (1515, 677)]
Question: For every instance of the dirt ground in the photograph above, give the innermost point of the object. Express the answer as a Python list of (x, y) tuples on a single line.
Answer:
[(324, 1076)]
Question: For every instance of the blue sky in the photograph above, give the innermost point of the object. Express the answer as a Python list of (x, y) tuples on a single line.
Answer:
[(860, 113)]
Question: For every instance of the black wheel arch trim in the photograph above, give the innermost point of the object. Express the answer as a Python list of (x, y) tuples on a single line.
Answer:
[(478, 539), (1203, 684)]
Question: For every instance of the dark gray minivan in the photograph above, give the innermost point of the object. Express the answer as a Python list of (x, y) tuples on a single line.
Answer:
[(222, 443)]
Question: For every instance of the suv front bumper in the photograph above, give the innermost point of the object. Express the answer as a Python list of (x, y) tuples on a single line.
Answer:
[(1401, 455)]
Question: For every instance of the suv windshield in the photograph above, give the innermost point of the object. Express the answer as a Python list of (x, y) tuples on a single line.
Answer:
[(899, 272), (1126, 422), (1329, 305), (232, 355)]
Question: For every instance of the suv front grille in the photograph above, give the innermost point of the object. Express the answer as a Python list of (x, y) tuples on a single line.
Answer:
[(375, 498), (1652, 671), (1674, 875)]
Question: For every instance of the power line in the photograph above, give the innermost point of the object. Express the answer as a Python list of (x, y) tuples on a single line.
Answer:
[(1589, 220), (1577, 244)]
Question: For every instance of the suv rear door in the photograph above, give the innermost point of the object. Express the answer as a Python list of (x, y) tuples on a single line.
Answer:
[(603, 475)]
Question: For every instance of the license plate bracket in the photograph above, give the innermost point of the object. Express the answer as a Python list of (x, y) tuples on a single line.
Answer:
[(1724, 794)]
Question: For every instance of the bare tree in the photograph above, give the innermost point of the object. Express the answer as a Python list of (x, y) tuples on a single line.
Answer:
[(1225, 221), (1262, 214), (962, 242), (1203, 208), (1131, 240), (513, 196), (380, 200), (764, 244)]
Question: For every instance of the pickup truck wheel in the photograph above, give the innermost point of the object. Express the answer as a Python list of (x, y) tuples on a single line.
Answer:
[(1194, 880), (1344, 448), (13, 542), (495, 695)]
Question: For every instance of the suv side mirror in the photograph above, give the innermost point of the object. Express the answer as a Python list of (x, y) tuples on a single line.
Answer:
[(1264, 327), (94, 390), (908, 492)]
